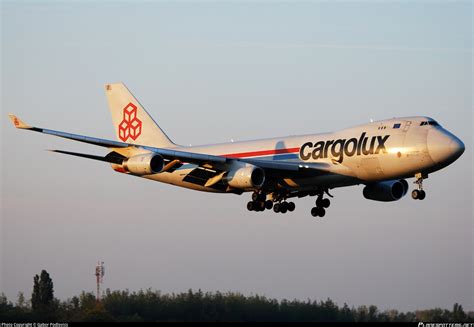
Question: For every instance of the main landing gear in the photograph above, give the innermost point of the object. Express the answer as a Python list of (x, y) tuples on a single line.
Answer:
[(419, 194), (284, 207), (277, 201), (260, 203), (321, 205)]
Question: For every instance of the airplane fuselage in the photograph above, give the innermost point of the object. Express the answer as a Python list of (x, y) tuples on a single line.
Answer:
[(383, 150)]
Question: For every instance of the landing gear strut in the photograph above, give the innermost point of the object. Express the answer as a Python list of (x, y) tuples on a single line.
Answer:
[(418, 194), (321, 205)]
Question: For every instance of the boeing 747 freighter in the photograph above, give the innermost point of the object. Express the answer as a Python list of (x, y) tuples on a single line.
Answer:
[(381, 155)]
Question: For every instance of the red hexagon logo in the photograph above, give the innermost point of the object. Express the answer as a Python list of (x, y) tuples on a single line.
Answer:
[(130, 126)]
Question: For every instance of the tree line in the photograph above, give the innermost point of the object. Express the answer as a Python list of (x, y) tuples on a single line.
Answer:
[(150, 305)]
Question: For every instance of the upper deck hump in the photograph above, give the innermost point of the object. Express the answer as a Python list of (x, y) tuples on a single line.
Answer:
[(290, 143)]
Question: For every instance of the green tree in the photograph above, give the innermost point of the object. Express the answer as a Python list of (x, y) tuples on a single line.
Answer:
[(458, 313), (345, 314), (87, 301), (75, 302), (35, 302), (362, 313), (43, 293), (21, 302), (373, 312), (3, 299)]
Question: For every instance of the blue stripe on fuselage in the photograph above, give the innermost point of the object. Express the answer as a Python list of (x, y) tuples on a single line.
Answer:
[(285, 156)]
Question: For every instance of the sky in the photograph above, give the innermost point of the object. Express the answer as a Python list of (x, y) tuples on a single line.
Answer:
[(210, 72)]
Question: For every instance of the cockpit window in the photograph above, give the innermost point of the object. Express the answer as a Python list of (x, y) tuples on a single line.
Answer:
[(432, 123)]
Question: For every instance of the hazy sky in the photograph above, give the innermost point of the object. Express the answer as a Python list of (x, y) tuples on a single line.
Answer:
[(208, 73)]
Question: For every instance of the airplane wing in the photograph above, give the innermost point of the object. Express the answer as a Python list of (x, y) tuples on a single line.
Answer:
[(183, 156), (174, 158)]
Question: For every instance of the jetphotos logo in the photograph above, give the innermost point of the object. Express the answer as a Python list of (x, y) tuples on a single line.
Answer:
[(343, 147), (130, 126)]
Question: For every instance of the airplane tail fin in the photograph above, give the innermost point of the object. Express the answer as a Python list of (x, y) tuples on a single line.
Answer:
[(132, 123)]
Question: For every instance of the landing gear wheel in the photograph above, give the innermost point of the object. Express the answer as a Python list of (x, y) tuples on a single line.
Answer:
[(268, 204), (319, 201), (291, 206), (419, 194), (321, 212), (284, 207), (422, 195), (325, 203), (258, 197), (250, 206), (318, 212), (416, 194), (277, 207)]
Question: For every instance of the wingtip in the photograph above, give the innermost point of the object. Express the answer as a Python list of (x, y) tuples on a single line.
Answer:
[(17, 122)]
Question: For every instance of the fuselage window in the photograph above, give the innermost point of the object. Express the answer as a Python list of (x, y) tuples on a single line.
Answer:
[(396, 125)]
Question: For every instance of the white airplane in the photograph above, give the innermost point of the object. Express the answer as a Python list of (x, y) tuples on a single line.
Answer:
[(380, 155)]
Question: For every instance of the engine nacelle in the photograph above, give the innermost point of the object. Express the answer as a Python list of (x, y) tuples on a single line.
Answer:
[(246, 177), (386, 191), (144, 164)]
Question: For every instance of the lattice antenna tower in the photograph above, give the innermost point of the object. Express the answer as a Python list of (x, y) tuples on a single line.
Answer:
[(99, 274)]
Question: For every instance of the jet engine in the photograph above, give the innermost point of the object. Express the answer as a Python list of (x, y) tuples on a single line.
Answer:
[(386, 191), (144, 164), (246, 177)]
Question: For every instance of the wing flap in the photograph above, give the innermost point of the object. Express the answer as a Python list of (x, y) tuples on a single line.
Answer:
[(281, 169)]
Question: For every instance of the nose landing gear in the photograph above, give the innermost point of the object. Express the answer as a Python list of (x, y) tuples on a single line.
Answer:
[(419, 194)]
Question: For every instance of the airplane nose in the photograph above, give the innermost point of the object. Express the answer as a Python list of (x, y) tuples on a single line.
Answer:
[(457, 148), (444, 147)]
